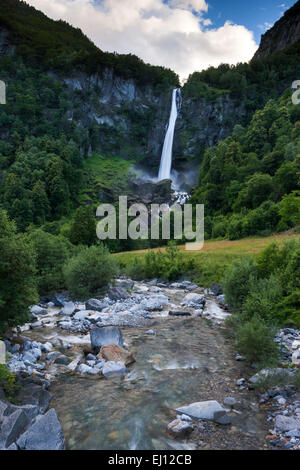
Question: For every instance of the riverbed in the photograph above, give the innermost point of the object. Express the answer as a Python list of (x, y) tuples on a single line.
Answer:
[(186, 360)]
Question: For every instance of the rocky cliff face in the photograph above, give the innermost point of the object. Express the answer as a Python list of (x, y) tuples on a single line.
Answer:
[(115, 116), (284, 33), (202, 123), (126, 120)]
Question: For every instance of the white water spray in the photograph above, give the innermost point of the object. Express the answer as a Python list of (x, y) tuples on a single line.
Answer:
[(166, 156)]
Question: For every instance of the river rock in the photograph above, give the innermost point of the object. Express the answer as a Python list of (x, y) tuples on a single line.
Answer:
[(62, 360), (95, 304), (287, 423), (230, 401), (36, 310), (47, 347), (113, 368), (36, 324), (106, 335), (202, 409), (33, 394), (69, 309), (59, 300), (13, 424), (126, 284), (81, 315), (220, 417), (114, 353), (117, 293), (179, 429), (193, 300), (45, 434), (179, 313), (83, 369), (155, 303)]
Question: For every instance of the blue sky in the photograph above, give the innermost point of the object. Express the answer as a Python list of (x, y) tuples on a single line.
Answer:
[(184, 35), (256, 15)]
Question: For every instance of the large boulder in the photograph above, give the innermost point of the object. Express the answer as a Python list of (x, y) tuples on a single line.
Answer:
[(105, 336), (117, 293), (59, 300), (155, 303), (116, 354), (69, 309), (287, 423), (126, 284), (113, 368), (202, 410), (45, 434), (13, 423), (36, 310), (193, 300), (95, 304), (81, 315), (35, 395)]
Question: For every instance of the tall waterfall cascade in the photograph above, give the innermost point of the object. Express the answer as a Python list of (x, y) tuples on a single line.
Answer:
[(166, 156)]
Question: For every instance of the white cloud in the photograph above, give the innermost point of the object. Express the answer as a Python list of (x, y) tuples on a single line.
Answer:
[(167, 34)]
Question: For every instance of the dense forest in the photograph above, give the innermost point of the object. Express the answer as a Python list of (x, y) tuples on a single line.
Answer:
[(249, 182)]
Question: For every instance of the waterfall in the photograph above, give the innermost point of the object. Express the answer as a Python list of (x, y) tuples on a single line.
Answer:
[(166, 156)]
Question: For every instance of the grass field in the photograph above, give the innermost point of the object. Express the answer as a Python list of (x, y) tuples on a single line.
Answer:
[(215, 256)]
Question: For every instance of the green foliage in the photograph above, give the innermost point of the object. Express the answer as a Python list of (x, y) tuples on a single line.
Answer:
[(88, 272), (83, 227), (59, 46), (52, 252), (238, 280), (263, 298), (249, 182), (277, 379), (255, 341), (17, 275), (168, 265), (8, 383)]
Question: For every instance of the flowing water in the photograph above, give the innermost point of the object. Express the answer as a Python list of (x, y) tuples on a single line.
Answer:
[(166, 157), (188, 359)]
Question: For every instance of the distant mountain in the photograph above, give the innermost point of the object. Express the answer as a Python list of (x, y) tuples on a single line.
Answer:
[(283, 34)]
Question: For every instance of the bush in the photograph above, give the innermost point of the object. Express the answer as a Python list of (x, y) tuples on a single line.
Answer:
[(17, 275), (237, 282), (168, 265), (263, 298), (8, 382), (52, 252), (255, 341), (87, 273)]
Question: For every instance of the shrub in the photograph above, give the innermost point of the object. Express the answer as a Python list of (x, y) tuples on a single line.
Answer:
[(135, 269), (263, 297), (87, 273), (8, 382), (83, 227), (237, 281), (255, 341), (17, 275), (52, 252)]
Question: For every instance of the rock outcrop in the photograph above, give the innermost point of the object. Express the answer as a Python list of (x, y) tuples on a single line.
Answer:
[(283, 34)]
